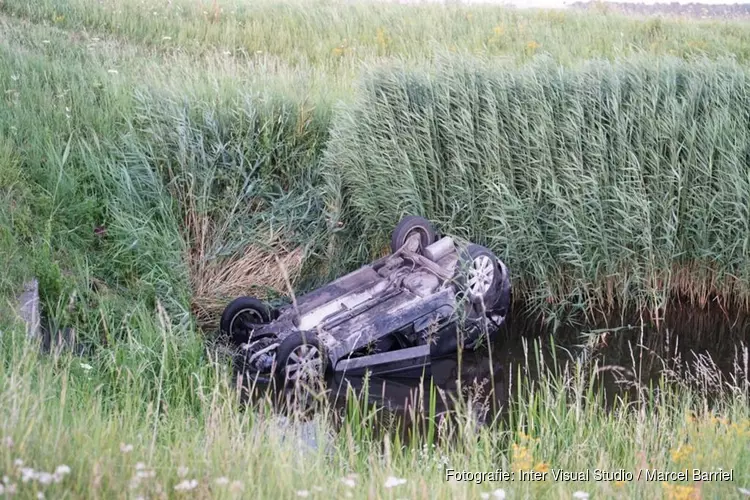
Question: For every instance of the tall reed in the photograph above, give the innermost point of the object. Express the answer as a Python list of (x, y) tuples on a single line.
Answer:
[(604, 187)]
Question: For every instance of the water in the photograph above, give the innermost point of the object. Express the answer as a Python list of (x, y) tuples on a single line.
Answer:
[(703, 349)]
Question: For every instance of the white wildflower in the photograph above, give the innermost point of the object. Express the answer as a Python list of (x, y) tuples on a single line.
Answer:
[(40, 495), (182, 471), (18, 462), (140, 466), (499, 494), (45, 42), (303, 493), (186, 485), (392, 481), (95, 39), (227, 53), (112, 71), (221, 481), (580, 495), (27, 474), (45, 478), (145, 474), (166, 38), (126, 448), (60, 472), (348, 481), (484, 496), (744, 491), (85, 366)]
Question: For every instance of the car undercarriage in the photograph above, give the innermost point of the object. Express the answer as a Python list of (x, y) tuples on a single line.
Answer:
[(430, 297)]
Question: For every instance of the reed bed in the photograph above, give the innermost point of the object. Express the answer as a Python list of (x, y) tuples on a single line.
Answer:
[(605, 187)]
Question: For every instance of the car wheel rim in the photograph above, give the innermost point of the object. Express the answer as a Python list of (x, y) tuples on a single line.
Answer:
[(304, 363), (481, 274), (242, 318)]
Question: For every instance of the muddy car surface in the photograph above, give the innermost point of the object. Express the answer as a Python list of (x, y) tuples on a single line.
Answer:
[(431, 296)]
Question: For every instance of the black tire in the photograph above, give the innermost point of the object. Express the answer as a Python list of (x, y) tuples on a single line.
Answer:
[(407, 227), (243, 308), (475, 265), (291, 346)]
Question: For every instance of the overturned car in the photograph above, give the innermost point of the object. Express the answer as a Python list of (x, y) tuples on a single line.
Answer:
[(431, 296)]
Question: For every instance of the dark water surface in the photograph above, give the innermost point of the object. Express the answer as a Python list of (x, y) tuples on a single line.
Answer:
[(705, 349)]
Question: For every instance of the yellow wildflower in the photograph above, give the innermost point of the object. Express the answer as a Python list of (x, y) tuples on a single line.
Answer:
[(541, 467), (382, 39), (742, 429), (679, 492), (522, 459), (681, 453)]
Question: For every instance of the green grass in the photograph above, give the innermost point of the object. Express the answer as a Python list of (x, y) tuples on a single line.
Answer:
[(200, 143), (292, 31), (56, 411)]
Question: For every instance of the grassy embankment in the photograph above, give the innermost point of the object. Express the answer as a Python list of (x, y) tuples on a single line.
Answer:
[(195, 142)]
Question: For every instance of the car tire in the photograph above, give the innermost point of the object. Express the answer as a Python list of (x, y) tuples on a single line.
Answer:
[(479, 275), (407, 227), (241, 308), (305, 347)]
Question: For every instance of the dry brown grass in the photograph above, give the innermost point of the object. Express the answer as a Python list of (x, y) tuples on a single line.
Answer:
[(254, 271)]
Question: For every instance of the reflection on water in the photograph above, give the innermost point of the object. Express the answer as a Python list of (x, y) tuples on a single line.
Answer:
[(476, 380)]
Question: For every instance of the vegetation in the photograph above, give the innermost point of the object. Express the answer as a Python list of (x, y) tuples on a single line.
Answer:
[(149, 416), (157, 158), (612, 184)]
